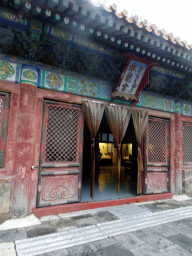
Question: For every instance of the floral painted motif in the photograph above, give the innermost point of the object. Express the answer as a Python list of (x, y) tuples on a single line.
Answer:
[(178, 107), (60, 33), (149, 101), (87, 88), (106, 92), (160, 103), (6, 70), (54, 80), (187, 110), (30, 74), (169, 105)]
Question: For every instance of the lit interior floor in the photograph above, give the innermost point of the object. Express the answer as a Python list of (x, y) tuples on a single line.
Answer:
[(105, 185)]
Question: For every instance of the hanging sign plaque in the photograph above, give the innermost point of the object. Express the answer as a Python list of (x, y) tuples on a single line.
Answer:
[(134, 78)]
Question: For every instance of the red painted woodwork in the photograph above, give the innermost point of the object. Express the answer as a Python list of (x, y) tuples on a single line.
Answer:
[(25, 148), (23, 151), (156, 182), (187, 142), (186, 167), (178, 153), (59, 189), (157, 156), (56, 96), (60, 147), (8, 171), (38, 212), (172, 155)]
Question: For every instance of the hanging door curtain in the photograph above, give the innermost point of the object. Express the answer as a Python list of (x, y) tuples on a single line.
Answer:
[(134, 78), (140, 121), (118, 118), (93, 112)]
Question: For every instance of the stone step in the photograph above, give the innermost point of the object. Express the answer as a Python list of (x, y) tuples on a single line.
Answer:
[(144, 220), (56, 241), (66, 239)]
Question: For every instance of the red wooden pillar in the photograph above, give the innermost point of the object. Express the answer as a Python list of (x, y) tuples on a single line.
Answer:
[(24, 149), (172, 147), (178, 154)]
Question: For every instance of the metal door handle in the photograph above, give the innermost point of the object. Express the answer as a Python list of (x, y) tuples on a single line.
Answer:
[(34, 167)]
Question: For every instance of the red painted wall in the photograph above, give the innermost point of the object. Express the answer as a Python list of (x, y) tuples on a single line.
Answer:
[(8, 172), (178, 153), (23, 148)]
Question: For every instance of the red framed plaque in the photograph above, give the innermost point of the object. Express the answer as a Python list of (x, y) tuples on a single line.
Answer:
[(134, 78)]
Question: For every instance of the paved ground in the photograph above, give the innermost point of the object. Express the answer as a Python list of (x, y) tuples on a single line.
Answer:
[(155, 228)]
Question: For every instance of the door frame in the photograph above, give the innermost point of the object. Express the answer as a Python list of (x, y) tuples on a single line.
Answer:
[(158, 168), (72, 98), (171, 117), (65, 173)]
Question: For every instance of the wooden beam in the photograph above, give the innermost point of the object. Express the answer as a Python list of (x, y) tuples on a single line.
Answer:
[(63, 5), (52, 3)]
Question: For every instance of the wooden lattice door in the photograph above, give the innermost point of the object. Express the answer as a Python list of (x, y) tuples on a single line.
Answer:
[(187, 143), (157, 156), (61, 154)]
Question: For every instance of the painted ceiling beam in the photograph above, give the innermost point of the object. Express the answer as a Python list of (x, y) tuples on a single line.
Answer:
[(36, 10), (62, 6), (71, 11), (133, 38), (27, 7), (52, 3), (90, 19), (16, 4), (5, 2), (40, 1), (46, 14), (55, 18), (82, 14)]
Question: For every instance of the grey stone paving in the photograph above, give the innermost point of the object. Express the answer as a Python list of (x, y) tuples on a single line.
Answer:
[(86, 221), (164, 230), (146, 250), (63, 224), (129, 240), (166, 205), (182, 240), (114, 250), (171, 239), (175, 250), (105, 216), (12, 235), (40, 231)]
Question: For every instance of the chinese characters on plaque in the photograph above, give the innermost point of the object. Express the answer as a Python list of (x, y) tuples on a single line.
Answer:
[(133, 79)]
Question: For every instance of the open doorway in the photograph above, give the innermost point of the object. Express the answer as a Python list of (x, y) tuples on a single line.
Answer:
[(106, 164)]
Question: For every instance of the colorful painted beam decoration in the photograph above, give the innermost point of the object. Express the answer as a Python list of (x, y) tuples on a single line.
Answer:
[(134, 78)]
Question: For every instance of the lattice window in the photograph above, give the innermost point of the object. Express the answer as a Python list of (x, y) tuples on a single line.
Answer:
[(157, 141), (187, 143), (62, 133)]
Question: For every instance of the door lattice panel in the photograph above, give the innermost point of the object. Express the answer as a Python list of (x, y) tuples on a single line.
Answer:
[(157, 141), (187, 142), (62, 133)]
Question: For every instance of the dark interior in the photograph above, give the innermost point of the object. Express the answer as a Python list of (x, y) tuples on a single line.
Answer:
[(106, 164)]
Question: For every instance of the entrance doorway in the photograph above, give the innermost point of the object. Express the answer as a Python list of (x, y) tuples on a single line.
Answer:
[(106, 164)]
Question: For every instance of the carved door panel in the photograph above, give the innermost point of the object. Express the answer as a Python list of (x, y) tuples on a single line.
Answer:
[(61, 154), (157, 156)]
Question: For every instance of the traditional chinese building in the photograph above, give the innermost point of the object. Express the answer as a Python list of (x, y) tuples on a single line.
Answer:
[(95, 108)]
